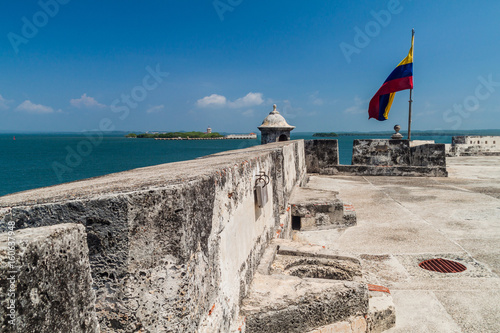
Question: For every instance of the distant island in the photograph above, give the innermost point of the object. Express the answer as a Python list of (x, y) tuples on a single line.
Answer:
[(172, 135), (325, 135)]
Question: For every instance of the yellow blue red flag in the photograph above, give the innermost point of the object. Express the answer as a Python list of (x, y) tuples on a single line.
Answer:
[(401, 78)]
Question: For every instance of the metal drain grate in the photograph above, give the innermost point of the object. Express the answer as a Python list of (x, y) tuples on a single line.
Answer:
[(442, 266)]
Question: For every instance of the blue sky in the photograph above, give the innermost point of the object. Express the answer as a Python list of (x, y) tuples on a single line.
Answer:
[(81, 65)]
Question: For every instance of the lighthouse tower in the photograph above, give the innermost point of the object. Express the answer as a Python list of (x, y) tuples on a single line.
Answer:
[(274, 128)]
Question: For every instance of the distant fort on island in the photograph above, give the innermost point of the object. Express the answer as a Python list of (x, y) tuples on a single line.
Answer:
[(208, 135)]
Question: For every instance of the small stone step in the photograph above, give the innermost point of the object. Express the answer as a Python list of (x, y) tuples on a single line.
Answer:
[(288, 304), (300, 288), (381, 311), (314, 209)]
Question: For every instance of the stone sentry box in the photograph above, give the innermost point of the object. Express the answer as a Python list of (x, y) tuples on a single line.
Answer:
[(274, 128)]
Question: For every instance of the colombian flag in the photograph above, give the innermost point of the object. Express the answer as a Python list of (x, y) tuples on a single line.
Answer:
[(400, 79)]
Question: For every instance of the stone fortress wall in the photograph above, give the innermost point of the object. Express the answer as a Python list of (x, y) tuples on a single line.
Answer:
[(378, 157), (172, 247), (474, 145)]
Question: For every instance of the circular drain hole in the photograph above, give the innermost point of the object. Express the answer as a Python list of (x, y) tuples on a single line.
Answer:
[(442, 266)]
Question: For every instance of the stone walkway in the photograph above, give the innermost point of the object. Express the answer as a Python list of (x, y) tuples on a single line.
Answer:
[(403, 221)]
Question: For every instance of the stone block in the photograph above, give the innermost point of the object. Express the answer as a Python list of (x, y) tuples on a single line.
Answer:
[(429, 155), (320, 209), (382, 313), (46, 277), (321, 154), (281, 303), (381, 152)]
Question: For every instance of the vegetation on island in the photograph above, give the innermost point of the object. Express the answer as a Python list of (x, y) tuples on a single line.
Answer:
[(170, 135), (325, 135)]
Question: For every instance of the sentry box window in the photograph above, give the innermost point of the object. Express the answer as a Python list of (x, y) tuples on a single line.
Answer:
[(261, 189)]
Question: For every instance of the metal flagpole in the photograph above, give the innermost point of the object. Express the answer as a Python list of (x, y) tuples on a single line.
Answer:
[(410, 101)]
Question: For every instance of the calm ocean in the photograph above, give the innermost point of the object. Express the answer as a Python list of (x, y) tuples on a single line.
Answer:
[(38, 160)]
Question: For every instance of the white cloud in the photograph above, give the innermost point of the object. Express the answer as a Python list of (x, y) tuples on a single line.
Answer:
[(86, 102), (156, 108), (30, 107), (429, 109), (214, 100), (360, 106), (248, 113), (314, 98), (4, 104), (251, 99), (425, 113), (288, 111)]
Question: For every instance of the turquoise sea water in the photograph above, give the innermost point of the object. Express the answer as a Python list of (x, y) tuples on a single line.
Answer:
[(38, 160)]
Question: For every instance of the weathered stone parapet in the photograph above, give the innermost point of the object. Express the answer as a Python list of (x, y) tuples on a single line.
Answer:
[(397, 153), (321, 154), (377, 157), (406, 171), (383, 152), (172, 247), (46, 281), (428, 155)]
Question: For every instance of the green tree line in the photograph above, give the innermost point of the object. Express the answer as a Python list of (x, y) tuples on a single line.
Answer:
[(331, 134), (170, 135)]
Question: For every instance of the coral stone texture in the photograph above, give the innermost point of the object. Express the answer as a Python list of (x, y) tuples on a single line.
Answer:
[(172, 247), (50, 273), (185, 247)]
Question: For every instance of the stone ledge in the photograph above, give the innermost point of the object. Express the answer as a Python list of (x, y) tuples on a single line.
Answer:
[(366, 170), (163, 176)]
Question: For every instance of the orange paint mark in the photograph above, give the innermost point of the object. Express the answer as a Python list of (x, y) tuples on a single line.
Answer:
[(241, 326), (211, 310), (374, 287), (288, 209)]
